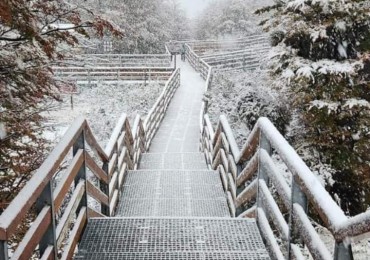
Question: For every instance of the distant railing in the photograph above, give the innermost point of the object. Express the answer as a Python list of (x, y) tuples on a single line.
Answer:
[(256, 188), (118, 60), (61, 207), (94, 74)]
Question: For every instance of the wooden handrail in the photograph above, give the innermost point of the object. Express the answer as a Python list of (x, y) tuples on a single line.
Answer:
[(122, 153), (256, 167)]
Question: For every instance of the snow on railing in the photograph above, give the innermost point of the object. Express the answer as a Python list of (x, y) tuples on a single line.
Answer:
[(256, 188), (231, 60), (92, 74), (61, 207), (119, 60)]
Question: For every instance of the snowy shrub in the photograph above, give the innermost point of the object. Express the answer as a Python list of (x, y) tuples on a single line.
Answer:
[(325, 63)]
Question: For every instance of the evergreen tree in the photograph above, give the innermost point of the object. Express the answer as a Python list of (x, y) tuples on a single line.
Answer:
[(322, 54)]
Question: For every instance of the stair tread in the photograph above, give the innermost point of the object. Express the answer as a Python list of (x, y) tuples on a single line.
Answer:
[(172, 238)]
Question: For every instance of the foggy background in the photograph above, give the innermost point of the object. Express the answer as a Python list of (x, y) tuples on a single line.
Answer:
[(194, 7)]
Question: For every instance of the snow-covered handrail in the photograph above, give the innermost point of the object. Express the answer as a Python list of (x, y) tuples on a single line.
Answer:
[(61, 206), (249, 174), (253, 164), (117, 60)]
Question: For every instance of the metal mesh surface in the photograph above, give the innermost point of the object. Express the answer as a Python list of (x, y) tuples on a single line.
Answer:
[(173, 161), (173, 208), (173, 193), (172, 238)]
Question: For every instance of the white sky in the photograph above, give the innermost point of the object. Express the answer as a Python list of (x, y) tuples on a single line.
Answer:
[(194, 7)]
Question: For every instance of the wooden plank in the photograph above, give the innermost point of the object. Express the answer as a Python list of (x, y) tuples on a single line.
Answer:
[(232, 188), (113, 184), (273, 210), (121, 141), (48, 254), (249, 213), (113, 202), (95, 169), (94, 214), (112, 164), (96, 193), (34, 235), (268, 236), (231, 204), (94, 145), (75, 235), (248, 194), (250, 146), (67, 179), (121, 175), (224, 160), (69, 212), (109, 149), (18, 208), (248, 171)]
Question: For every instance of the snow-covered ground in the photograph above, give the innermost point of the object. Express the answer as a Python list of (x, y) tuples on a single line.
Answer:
[(101, 104)]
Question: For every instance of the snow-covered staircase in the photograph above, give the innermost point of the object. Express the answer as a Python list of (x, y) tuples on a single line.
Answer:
[(173, 206)]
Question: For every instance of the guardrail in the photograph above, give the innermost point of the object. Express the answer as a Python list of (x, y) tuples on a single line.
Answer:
[(61, 207), (112, 73), (256, 188), (118, 60)]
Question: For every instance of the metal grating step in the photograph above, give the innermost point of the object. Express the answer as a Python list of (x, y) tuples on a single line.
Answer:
[(163, 207), (172, 238), (170, 177), (172, 161), (196, 193)]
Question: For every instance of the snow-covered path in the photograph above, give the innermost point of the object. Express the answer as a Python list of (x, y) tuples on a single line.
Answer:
[(179, 130)]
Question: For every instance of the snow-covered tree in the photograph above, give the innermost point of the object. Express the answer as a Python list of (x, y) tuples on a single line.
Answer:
[(31, 34), (147, 25), (228, 18), (322, 55)]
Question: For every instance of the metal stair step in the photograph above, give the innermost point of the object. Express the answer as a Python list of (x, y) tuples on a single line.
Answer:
[(175, 207), (172, 238), (173, 161), (171, 177), (197, 193)]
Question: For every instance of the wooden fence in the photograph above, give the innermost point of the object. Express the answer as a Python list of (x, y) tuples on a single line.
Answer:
[(61, 207)]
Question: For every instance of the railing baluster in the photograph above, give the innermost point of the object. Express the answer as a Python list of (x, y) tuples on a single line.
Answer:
[(105, 188), (81, 175), (4, 250), (342, 251), (298, 197), (49, 237)]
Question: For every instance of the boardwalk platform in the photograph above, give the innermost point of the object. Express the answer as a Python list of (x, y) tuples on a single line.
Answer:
[(173, 206)]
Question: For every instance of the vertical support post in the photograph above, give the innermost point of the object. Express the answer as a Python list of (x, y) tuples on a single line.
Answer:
[(298, 197), (81, 175), (342, 252), (105, 188), (262, 174), (4, 250), (49, 238), (239, 190)]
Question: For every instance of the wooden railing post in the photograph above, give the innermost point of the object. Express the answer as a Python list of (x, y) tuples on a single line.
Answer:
[(49, 238), (342, 251), (4, 250), (298, 197), (104, 187), (81, 175)]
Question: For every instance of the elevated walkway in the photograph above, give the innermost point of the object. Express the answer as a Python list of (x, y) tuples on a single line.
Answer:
[(173, 206)]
